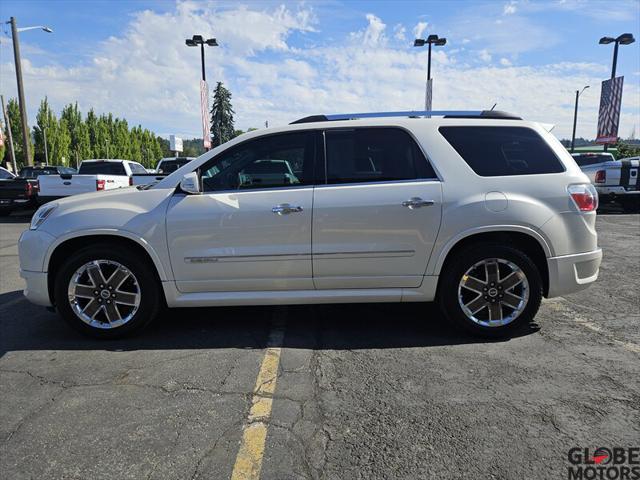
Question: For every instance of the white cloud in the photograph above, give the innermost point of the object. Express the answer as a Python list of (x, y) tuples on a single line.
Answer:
[(419, 29), (510, 8), (484, 55), (399, 32), (157, 82), (505, 62), (373, 35)]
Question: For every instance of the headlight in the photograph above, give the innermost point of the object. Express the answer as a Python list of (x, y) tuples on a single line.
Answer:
[(41, 215)]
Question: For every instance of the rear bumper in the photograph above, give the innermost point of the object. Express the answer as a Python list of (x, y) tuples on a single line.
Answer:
[(17, 203), (618, 191), (572, 273), (36, 290)]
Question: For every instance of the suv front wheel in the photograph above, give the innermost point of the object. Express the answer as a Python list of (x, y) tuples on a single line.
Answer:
[(106, 292), (490, 290)]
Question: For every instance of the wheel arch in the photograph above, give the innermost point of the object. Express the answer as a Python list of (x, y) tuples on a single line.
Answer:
[(527, 240), (66, 246)]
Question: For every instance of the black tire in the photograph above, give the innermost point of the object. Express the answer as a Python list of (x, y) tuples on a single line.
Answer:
[(470, 256), (150, 295)]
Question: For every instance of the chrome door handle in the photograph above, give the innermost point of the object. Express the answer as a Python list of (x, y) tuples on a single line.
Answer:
[(286, 209), (417, 202)]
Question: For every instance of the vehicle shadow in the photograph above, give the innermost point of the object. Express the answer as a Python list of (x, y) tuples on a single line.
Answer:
[(324, 327)]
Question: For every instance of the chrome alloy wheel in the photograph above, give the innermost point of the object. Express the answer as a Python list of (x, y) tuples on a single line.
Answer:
[(104, 294), (493, 292)]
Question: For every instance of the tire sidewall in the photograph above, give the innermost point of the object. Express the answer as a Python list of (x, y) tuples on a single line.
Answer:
[(448, 291), (149, 290)]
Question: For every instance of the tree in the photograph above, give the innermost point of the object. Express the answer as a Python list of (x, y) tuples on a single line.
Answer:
[(57, 136), (626, 150), (80, 147), (13, 112), (222, 129)]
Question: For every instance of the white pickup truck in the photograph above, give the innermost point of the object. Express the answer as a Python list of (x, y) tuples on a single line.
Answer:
[(94, 176), (615, 180)]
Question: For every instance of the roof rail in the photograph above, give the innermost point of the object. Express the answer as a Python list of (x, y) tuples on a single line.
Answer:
[(490, 114)]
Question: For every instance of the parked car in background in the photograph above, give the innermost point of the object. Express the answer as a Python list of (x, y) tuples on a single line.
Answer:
[(92, 176), (171, 164), (481, 211), (615, 180), (35, 172), (16, 193)]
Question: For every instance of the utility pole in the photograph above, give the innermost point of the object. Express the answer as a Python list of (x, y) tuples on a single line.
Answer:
[(10, 135), (23, 107)]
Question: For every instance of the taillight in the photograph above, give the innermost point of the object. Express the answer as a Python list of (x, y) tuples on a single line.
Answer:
[(28, 189), (584, 196), (99, 185), (601, 176), (130, 181)]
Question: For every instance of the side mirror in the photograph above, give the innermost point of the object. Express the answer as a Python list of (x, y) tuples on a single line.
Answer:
[(190, 183)]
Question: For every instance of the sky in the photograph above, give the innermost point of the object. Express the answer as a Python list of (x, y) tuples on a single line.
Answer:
[(285, 60)]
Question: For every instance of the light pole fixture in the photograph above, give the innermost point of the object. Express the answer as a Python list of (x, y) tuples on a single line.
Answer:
[(199, 40), (575, 117), (21, 100), (204, 90), (421, 42), (624, 39)]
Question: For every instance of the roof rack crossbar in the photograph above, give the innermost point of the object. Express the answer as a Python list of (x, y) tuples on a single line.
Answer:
[(495, 114)]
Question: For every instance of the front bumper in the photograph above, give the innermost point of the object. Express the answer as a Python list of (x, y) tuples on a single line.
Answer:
[(37, 289), (572, 273)]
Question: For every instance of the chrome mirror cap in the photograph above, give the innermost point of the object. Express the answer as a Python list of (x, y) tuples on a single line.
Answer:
[(190, 183)]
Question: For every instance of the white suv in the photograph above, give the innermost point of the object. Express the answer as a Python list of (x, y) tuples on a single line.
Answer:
[(481, 211)]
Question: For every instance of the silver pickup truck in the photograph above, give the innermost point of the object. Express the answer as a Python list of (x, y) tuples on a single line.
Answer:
[(615, 180)]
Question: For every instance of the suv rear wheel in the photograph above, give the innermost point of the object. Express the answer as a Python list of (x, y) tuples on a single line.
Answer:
[(490, 290), (105, 292)]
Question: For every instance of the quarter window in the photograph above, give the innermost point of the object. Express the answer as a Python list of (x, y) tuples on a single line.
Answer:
[(374, 155), (269, 162), (502, 151)]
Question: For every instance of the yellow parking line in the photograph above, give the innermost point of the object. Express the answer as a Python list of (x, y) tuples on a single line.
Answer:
[(249, 458)]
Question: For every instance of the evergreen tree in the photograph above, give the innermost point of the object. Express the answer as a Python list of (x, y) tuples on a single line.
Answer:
[(80, 147), (13, 112), (57, 136), (222, 129)]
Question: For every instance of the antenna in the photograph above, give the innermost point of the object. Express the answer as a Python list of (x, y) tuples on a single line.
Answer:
[(494, 106)]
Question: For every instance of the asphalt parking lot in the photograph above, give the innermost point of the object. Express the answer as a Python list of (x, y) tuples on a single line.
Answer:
[(363, 391)]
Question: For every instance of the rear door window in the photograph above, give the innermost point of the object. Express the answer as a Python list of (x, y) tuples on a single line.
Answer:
[(373, 155), (502, 151)]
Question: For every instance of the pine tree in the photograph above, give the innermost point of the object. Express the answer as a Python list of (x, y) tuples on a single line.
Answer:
[(222, 129), (57, 136), (80, 147)]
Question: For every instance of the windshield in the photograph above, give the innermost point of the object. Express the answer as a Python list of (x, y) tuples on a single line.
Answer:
[(170, 166)]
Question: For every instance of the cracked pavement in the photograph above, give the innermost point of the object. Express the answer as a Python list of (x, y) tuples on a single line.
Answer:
[(374, 391)]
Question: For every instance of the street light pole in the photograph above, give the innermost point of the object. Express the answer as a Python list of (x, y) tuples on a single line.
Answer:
[(575, 117), (46, 151), (624, 39), (23, 108), (421, 42), (204, 90), (21, 100)]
